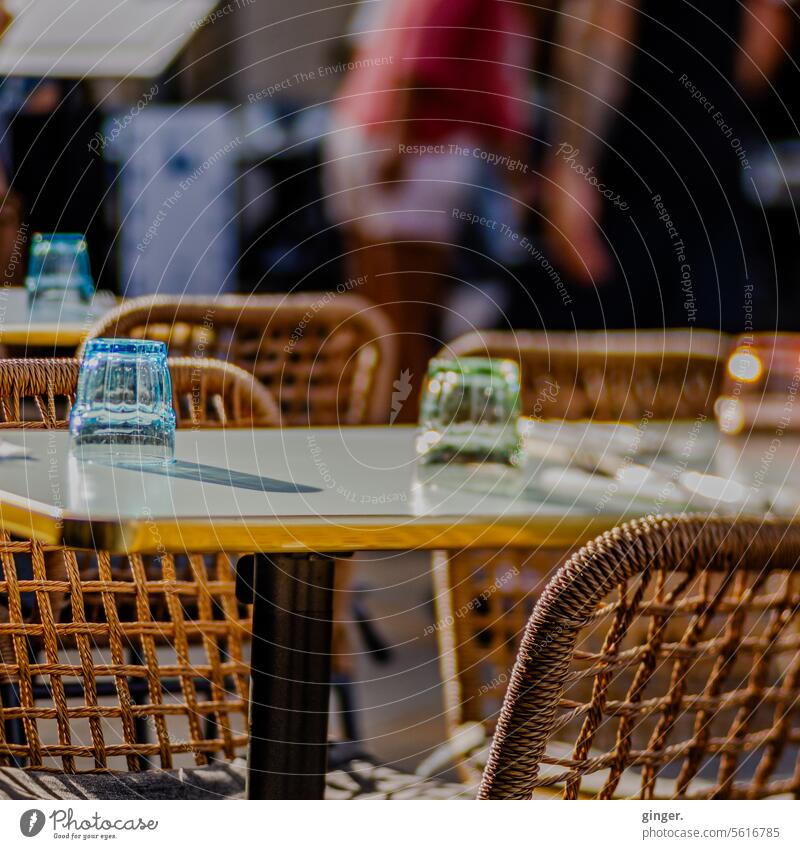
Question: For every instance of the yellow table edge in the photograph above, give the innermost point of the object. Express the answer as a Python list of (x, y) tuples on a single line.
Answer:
[(390, 534), (62, 337)]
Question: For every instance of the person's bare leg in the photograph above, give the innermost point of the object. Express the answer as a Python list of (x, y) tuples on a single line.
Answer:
[(405, 278)]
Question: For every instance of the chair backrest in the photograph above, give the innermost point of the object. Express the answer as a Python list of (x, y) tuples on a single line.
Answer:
[(211, 393), (38, 393), (608, 375), (327, 358), (666, 652)]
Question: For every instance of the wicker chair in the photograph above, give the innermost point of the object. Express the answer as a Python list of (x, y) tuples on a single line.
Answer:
[(166, 654), (484, 597), (56, 597), (328, 359), (37, 393), (666, 653), (151, 647)]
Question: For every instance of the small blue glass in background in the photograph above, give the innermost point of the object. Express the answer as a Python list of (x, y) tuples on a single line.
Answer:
[(59, 268), (123, 406)]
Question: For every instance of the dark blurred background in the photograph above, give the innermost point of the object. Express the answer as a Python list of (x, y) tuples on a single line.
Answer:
[(479, 164)]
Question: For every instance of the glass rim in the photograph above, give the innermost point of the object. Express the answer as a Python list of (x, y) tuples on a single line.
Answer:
[(493, 366), (51, 237), (113, 345)]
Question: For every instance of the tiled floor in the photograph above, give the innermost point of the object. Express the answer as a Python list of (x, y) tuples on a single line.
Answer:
[(400, 701)]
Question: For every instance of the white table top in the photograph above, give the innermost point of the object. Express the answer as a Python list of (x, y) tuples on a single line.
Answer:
[(341, 489), (55, 322)]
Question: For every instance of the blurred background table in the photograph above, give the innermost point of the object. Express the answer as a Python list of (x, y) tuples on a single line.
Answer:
[(48, 323)]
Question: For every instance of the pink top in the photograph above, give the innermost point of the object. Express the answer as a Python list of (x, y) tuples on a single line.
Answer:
[(466, 60)]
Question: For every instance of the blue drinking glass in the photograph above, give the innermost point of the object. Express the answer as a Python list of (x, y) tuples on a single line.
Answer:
[(59, 267), (123, 405)]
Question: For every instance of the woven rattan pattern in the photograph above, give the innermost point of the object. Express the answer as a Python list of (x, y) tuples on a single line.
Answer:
[(74, 654), (213, 393), (666, 650), (327, 358), (37, 393)]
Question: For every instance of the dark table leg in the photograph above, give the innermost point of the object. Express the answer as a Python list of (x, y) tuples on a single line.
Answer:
[(290, 675)]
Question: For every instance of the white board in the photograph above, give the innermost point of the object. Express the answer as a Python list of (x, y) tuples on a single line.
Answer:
[(178, 171)]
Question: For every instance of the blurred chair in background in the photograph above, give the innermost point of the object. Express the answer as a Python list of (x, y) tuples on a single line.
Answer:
[(328, 359), (671, 374)]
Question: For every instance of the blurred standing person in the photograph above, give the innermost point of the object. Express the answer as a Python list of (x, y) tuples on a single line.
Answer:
[(436, 87), (660, 106)]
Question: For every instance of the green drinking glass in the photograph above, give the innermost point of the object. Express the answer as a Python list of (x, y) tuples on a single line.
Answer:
[(470, 412)]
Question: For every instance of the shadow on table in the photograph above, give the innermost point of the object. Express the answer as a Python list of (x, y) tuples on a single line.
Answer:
[(202, 473)]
